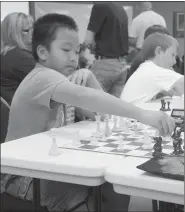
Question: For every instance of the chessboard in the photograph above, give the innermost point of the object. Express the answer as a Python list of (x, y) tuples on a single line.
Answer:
[(135, 140)]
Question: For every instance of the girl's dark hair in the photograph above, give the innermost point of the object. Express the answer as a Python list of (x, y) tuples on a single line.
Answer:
[(45, 28)]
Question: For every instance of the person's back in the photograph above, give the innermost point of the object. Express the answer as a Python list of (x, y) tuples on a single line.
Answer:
[(15, 65), (107, 34), (143, 21), (112, 38)]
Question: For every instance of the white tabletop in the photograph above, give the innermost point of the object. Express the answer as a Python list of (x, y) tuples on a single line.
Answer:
[(127, 179), (29, 157)]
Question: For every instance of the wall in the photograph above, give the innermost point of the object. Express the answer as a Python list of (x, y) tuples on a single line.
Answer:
[(9, 7)]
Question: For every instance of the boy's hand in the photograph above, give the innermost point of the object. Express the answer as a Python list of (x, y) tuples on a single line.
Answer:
[(80, 76), (160, 120)]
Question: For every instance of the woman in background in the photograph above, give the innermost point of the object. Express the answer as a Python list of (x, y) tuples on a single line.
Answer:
[(16, 54)]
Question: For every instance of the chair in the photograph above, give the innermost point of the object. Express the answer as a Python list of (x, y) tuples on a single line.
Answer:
[(4, 119)]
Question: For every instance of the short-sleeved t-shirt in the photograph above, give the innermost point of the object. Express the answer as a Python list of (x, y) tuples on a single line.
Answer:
[(148, 81), (109, 22), (142, 22), (32, 110)]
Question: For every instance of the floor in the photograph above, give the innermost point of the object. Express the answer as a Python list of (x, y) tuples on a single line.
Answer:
[(137, 204)]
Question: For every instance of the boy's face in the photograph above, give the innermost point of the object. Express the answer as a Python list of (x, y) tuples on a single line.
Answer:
[(64, 52), (168, 57)]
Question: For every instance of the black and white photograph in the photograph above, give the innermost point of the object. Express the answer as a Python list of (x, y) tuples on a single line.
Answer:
[(92, 106)]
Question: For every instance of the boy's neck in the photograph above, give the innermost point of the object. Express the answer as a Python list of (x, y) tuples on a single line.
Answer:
[(157, 62)]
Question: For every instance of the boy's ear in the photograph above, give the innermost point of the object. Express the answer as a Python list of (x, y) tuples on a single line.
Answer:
[(42, 52), (157, 50)]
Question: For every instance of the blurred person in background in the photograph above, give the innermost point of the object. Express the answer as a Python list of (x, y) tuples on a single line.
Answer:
[(146, 18), (16, 52)]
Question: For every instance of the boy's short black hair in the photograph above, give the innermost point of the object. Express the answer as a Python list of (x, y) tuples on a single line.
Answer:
[(156, 28), (45, 28)]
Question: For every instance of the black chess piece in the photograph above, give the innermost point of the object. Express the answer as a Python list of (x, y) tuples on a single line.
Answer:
[(162, 105), (175, 146), (168, 106), (176, 139), (158, 147), (179, 146)]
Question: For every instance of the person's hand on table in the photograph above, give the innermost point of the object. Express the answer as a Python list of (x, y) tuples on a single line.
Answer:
[(159, 120), (80, 76)]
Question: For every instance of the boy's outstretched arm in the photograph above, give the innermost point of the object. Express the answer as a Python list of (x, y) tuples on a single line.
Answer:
[(99, 101), (86, 78)]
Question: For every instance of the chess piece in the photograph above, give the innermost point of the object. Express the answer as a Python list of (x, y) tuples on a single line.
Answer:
[(94, 140), (121, 143), (158, 147), (162, 105), (179, 146), (169, 109), (107, 128), (98, 129), (175, 146), (76, 139), (54, 150), (115, 120), (147, 141)]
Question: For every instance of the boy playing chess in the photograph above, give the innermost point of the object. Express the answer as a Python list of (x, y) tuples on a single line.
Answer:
[(36, 106), (155, 75)]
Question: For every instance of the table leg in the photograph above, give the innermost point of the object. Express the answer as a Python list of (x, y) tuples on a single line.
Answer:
[(154, 206), (97, 196), (36, 195)]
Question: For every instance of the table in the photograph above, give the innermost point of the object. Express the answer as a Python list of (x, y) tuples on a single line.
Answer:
[(80, 167), (127, 179), (77, 167)]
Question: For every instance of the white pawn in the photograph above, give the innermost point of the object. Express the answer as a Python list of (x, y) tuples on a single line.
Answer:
[(115, 121), (54, 150), (107, 128), (121, 143), (76, 140), (98, 129), (147, 141)]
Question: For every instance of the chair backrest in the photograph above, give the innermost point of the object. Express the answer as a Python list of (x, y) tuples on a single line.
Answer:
[(5, 109)]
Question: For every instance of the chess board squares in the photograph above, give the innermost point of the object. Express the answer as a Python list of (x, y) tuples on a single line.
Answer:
[(138, 152), (117, 142), (123, 151), (115, 135), (104, 149), (134, 136)]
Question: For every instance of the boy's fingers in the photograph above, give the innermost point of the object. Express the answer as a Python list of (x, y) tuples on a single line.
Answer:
[(69, 77), (84, 81), (79, 77)]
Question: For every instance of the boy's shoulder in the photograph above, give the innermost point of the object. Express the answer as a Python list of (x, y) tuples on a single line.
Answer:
[(44, 73)]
